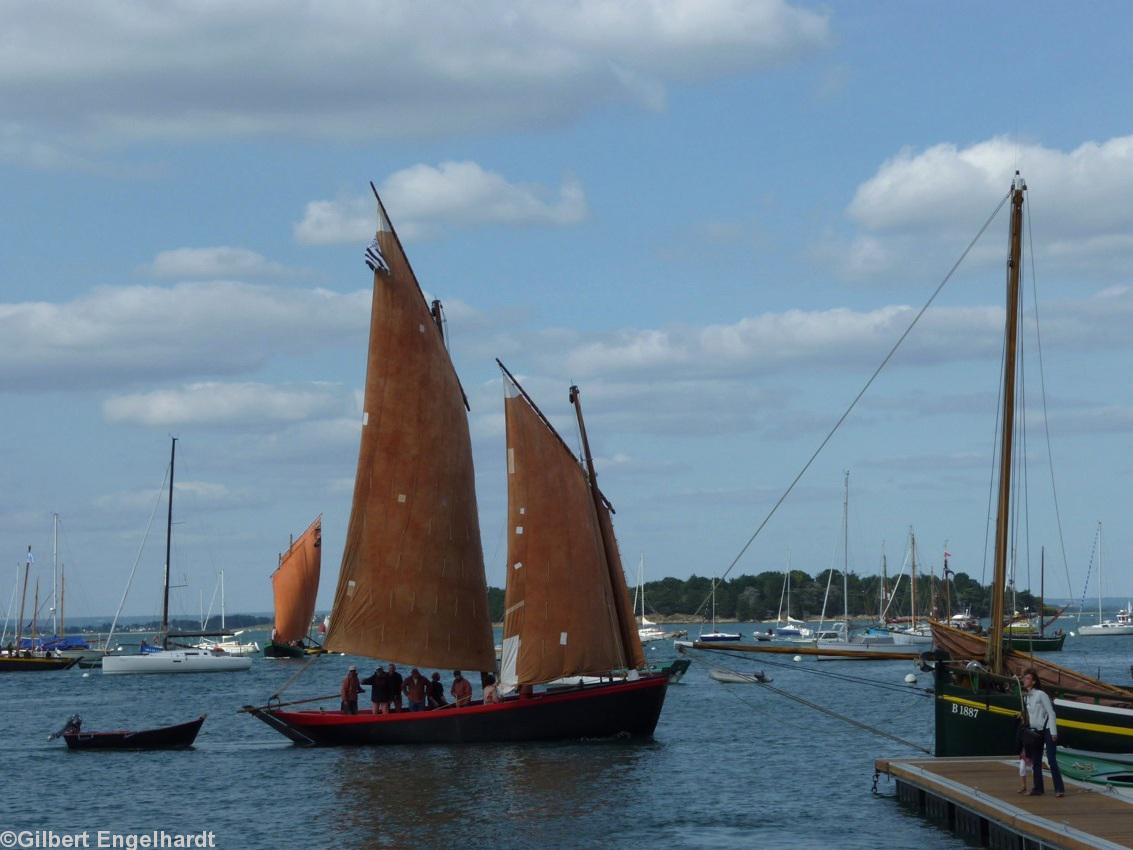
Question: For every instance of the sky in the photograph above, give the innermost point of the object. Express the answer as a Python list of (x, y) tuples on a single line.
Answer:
[(715, 217)]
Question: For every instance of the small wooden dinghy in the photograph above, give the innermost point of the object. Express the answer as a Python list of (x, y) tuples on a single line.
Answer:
[(729, 677), (176, 737)]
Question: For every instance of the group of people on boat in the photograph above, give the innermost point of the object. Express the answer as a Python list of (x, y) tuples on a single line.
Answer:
[(391, 692)]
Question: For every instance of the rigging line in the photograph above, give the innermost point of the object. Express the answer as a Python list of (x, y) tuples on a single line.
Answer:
[(1025, 496), (1042, 391), (925, 692), (862, 392), (992, 475), (830, 713), (1090, 569), (294, 676), (11, 601), (137, 560)]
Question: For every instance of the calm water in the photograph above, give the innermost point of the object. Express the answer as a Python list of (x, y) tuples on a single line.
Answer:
[(731, 766)]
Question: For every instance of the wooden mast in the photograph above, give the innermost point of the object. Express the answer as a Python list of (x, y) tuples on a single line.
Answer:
[(168, 548), (1042, 591), (23, 600), (1011, 336), (631, 640)]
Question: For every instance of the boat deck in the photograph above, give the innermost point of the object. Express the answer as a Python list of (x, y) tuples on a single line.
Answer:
[(978, 799)]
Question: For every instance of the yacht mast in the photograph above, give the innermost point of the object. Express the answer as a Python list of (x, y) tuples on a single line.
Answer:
[(168, 547), (846, 553), (54, 573)]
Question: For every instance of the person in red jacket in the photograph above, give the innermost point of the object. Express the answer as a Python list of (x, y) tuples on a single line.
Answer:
[(349, 691)]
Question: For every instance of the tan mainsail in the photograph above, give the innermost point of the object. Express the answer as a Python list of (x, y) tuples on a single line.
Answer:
[(295, 584), (412, 586), (961, 645), (561, 609)]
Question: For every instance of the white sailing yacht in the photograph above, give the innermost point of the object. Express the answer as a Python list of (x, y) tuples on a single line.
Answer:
[(716, 634), (1123, 625), (647, 630), (180, 659), (787, 626)]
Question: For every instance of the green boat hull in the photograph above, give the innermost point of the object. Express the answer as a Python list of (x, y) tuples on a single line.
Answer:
[(1035, 643), (277, 650), (977, 716)]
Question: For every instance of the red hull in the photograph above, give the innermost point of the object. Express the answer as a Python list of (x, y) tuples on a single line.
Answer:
[(594, 711)]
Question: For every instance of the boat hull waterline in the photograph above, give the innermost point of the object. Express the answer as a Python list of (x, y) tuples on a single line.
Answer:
[(591, 712), (20, 664)]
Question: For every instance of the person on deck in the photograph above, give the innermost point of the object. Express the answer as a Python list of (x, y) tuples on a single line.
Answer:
[(349, 691), (491, 691), (379, 691), (461, 689), (414, 689), (436, 692), (1040, 718), (395, 685)]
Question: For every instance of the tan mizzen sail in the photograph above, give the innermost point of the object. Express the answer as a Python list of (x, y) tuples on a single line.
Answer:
[(562, 611), (412, 586), (295, 584)]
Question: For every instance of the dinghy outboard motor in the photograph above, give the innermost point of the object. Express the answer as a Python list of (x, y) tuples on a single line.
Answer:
[(74, 724)]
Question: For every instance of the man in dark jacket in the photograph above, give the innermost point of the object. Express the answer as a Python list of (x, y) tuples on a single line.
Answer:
[(436, 692), (395, 685), (379, 691)]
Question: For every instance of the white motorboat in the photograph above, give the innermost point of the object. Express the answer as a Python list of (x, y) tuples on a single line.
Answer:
[(232, 646)]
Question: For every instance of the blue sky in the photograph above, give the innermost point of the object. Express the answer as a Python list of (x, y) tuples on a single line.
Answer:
[(713, 216)]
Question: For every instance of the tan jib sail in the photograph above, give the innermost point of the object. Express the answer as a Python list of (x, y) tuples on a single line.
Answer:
[(412, 586), (295, 584), (562, 611)]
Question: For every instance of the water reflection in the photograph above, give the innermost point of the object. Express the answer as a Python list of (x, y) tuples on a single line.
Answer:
[(523, 793)]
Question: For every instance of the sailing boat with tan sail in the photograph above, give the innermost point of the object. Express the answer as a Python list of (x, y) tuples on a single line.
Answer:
[(295, 584), (412, 588)]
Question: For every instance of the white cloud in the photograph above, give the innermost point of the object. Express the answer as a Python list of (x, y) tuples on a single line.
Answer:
[(772, 341), (116, 335), (453, 193), (936, 199), (215, 403), (145, 500), (213, 263), (111, 73)]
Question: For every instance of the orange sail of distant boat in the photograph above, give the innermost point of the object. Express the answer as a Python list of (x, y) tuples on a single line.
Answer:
[(296, 583)]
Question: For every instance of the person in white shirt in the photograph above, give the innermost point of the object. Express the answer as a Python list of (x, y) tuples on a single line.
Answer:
[(1040, 718)]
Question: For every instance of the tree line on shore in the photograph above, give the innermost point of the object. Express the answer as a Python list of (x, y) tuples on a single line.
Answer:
[(759, 597)]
